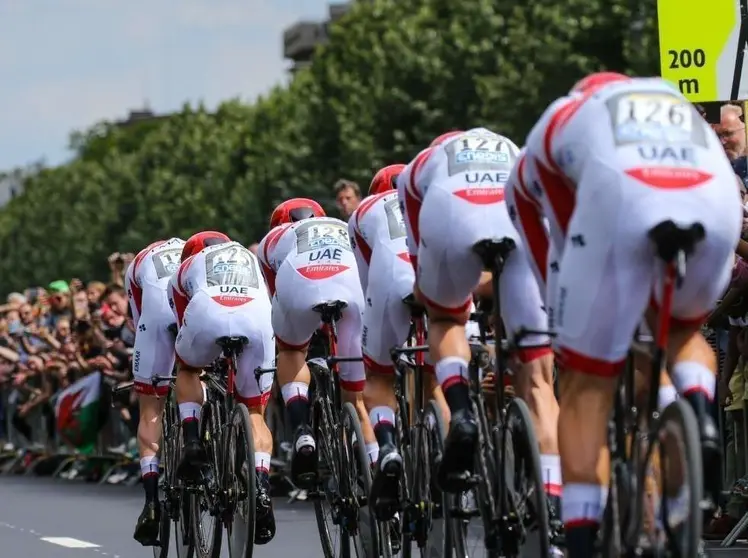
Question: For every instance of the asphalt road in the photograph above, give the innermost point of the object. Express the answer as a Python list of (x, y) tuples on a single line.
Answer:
[(52, 518)]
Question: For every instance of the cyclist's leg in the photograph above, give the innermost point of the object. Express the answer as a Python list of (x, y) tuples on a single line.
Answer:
[(522, 307), (294, 323), (448, 272), (153, 356), (603, 290), (386, 325), (204, 322), (255, 324), (353, 374)]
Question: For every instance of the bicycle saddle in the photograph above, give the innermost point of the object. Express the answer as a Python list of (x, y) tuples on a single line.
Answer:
[(669, 238), (331, 311), (489, 250), (232, 345)]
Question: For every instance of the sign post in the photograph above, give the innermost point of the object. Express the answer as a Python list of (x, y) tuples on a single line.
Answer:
[(701, 47)]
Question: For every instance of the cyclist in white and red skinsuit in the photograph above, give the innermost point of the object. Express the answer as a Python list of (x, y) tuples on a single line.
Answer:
[(219, 292), (453, 197), (612, 160), (307, 260), (146, 280), (378, 236)]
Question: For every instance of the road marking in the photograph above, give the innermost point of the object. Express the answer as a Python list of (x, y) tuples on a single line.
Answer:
[(68, 542)]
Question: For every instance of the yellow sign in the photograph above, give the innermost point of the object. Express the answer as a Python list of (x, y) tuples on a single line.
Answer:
[(699, 48)]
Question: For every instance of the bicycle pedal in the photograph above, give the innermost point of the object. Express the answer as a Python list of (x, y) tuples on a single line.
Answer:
[(315, 495)]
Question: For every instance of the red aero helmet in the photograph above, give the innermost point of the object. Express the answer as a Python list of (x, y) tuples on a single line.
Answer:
[(294, 210), (385, 178), (201, 240), (596, 80), (444, 137)]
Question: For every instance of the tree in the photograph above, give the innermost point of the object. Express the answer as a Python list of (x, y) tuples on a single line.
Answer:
[(393, 76)]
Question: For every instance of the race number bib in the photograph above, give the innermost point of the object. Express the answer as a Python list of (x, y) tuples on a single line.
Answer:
[(233, 265), (481, 151), (655, 116), (166, 262), (395, 220), (319, 233)]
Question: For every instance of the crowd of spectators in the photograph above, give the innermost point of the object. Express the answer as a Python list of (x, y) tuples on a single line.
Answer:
[(728, 329), (52, 336)]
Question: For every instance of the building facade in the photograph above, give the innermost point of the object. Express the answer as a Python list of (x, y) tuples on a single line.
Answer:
[(301, 39)]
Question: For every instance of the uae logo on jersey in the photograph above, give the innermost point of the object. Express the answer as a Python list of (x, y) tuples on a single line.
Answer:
[(481, 196), (669, 178), (322, 271)]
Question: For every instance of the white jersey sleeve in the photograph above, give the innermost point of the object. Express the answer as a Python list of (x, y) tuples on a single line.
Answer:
[(359, 244)]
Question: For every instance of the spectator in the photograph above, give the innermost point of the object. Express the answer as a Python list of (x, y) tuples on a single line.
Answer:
[(117, 266), (95, 290), (59, 303), (347, 197), (731, 131), (116, 298)]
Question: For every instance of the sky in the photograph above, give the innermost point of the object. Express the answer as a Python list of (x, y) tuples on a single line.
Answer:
[(67, 64)]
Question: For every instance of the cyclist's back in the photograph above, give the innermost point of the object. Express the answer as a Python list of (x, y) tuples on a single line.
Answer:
[(219, 292), (613, 160)]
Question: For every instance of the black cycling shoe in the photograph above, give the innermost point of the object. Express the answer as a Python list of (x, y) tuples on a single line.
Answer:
[(456, 469), (385, 489), (148, 527), (304, 459), (193, 460), (265, 518)]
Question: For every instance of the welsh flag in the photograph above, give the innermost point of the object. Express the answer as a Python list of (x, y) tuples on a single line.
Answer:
[(78, 412)]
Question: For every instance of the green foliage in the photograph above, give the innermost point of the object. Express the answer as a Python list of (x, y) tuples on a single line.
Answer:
[(393, 76)]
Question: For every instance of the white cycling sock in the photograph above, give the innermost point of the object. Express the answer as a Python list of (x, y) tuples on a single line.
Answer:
[(583, 504), (690, 377), (550, 467), (451, 370), (148, 465), (189, 411), (262, 462), (295, 390), (382, 415), (372, 450)]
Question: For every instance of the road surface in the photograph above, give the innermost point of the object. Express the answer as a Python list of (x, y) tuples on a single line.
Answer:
[(52, 518)]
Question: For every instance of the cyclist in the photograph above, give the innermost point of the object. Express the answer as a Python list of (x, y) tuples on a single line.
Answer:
[(459, 180), (614, 159), (146, 280), (377, 233), (307, 259), (218, 291)]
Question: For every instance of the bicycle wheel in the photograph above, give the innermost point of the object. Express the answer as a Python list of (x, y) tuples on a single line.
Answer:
[(330, 510), (471, 515), (202, 498), (162, 551), (523, 480), (438, 536), (616, 515), (239, 477), (358, 484), (677, 472), (176, 498)]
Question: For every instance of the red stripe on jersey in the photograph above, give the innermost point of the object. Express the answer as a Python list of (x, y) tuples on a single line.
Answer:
[(180, 299), (367, 204), (560, 196), (532, 224), (363, 247)]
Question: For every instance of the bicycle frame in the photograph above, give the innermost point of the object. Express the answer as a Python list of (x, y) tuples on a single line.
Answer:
[(637, 464)]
